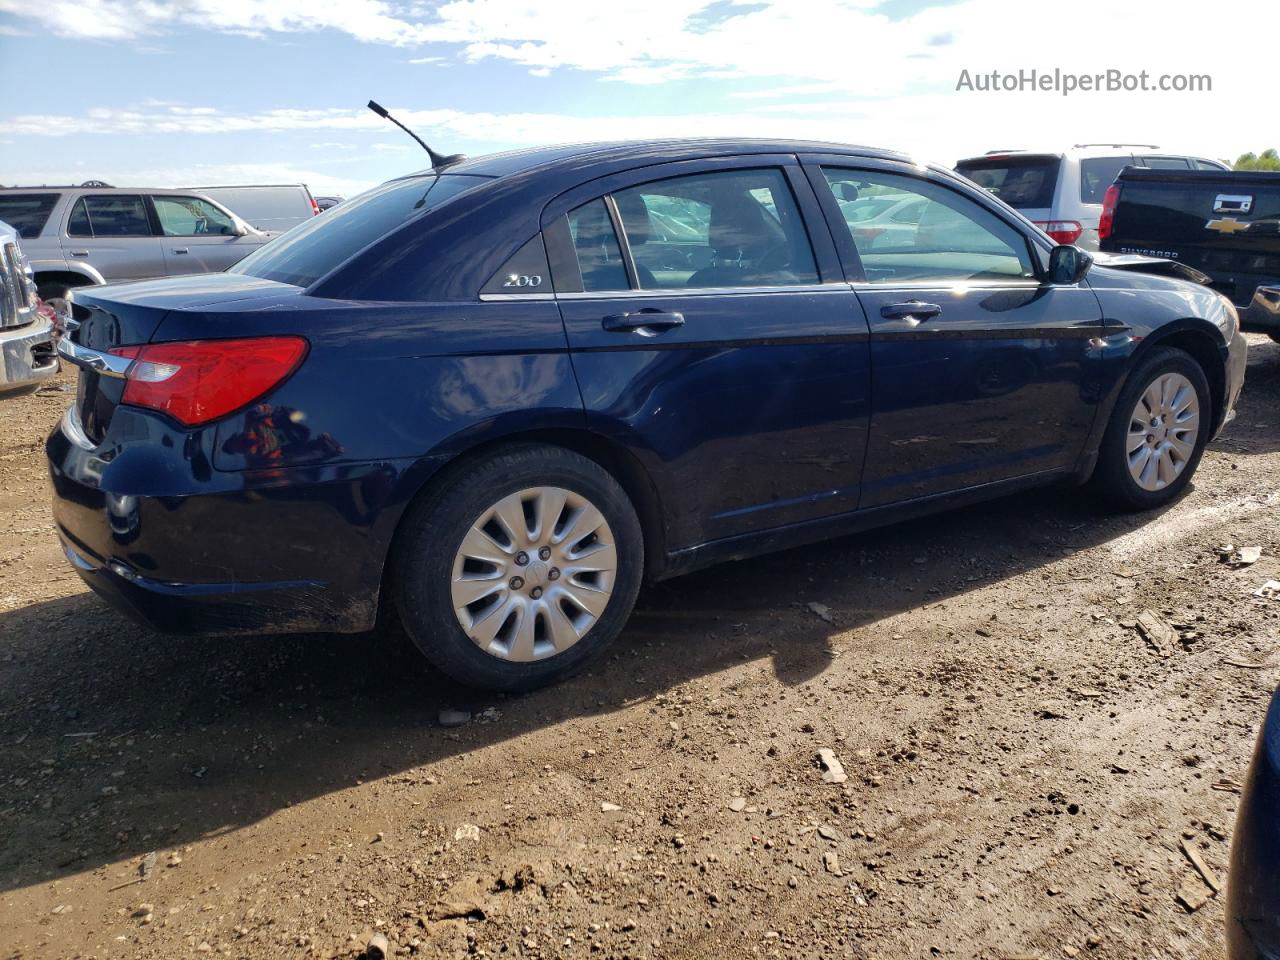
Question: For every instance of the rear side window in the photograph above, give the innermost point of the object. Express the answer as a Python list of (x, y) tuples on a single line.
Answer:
[(1022, 182), (305, 254), (115, 215), (1098, 173), (738, 228), (27, 212), (596, 244)]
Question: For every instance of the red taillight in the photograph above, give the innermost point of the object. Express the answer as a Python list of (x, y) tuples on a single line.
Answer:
[(1061, 231), (201, 380), (1108, 218), (315, 207)]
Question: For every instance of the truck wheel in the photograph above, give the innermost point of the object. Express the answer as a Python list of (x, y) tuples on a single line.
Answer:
[(517, 568), (1157, 433)]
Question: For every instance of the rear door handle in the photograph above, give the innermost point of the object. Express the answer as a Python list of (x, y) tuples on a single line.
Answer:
[(181, 250), (647, 322), (79, 253), (915, 309)]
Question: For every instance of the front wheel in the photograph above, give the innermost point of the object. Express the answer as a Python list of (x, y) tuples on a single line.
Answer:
[(517, 568), (1157, 433)]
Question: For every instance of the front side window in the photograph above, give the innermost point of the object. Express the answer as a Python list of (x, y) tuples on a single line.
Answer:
[(733, 228), (192, 217), (116, 215), (27, 212), (929, 233)]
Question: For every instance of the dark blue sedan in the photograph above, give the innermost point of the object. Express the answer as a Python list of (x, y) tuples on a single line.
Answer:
[(1253, 887), (500, 394)]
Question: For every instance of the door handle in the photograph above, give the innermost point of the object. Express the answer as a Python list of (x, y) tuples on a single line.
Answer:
[(647, 322), (913, 309), (181, 250), (79, 253)]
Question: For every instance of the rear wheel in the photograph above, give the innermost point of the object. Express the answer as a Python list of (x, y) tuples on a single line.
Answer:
[(516, 569), (1157, 433)]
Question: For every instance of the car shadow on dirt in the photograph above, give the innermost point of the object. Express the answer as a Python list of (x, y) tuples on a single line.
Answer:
[(115, 741)]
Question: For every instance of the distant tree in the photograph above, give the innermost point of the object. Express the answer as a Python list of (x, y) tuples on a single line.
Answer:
[(1267, 160)]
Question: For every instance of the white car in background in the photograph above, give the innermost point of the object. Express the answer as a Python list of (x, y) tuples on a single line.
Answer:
[(1062, 191), (273, 207)]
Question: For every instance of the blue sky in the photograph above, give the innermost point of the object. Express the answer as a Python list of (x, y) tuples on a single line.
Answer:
[(176, 92)]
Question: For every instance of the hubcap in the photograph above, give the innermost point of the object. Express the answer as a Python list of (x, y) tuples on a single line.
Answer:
[(534, 573), (1162, 431)]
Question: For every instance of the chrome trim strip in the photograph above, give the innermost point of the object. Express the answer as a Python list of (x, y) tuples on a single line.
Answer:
[(840, 287), (103, 363), (505, 297)]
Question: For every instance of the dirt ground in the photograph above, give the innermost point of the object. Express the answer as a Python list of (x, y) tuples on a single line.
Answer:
[(1022, 764)]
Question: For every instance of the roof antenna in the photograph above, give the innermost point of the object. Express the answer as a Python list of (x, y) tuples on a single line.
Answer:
[(438, 162)]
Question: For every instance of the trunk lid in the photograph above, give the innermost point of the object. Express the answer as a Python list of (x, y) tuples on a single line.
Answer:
[(127, 314)]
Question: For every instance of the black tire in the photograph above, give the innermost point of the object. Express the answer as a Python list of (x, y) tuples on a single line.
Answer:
[(1275, 336), (1111, 477), (433, 530)]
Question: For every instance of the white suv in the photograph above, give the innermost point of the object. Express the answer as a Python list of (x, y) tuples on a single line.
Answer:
[(1062, 192)]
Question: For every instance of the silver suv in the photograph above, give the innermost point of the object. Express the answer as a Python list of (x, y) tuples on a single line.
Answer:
[(1062, 192), (74, 236)]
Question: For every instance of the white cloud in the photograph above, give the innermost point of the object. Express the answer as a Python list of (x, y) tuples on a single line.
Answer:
[(940, 127)]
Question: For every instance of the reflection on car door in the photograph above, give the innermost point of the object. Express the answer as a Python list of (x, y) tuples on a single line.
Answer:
[(198, 236), (113, 232), (719, 357), (981, 372)]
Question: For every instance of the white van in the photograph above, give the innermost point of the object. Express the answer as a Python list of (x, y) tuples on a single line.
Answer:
[(271, 207), (1062, 191)]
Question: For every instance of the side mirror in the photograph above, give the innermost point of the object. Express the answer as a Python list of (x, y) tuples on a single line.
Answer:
[(1068, 264)]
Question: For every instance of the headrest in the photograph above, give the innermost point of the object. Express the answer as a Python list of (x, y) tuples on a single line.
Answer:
[(738, 228)]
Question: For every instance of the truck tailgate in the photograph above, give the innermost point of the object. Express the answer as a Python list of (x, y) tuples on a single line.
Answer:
[(1226, 224)]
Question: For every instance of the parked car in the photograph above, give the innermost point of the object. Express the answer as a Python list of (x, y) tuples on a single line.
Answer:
[(1062, 191), (325, 203), (464, 394), (1253, 884), (76, 236), (273, 207), (1224, 223), (27, 356)]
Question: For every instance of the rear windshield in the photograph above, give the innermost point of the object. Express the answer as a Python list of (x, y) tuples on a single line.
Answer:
[(27, 212), (1022, 182), (305, 254), (1098, 173)]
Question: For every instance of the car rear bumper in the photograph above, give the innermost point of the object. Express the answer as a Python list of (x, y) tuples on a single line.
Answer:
[(1253, 886), (225, 608), (179, 546), (27, 357)]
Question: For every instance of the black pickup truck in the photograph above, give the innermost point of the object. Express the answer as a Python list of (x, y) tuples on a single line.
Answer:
[(1224, 223)]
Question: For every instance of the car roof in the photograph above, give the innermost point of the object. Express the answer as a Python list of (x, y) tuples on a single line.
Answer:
[(644, 152), (1088, 150), (158, 191)]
